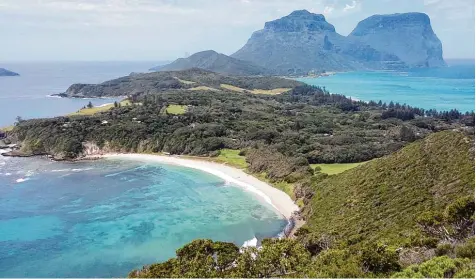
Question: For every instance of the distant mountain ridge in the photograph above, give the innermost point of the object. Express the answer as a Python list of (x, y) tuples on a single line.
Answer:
[(216, 62), (7, 73), (302, 42)]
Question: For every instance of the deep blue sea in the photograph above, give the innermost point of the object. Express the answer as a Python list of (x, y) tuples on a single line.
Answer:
[(105, 218), (441, 89)]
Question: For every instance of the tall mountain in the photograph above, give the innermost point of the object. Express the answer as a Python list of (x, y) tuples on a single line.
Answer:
[(5, 72), (216, 62), (302, 42), (409, 36)]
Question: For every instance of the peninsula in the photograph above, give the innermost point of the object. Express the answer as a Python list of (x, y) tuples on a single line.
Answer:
[(7, 73)]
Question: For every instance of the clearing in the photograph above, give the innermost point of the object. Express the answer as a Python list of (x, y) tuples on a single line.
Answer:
[(332, 169)]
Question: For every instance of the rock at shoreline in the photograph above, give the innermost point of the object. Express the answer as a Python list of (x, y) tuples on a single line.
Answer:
[(7, 73)]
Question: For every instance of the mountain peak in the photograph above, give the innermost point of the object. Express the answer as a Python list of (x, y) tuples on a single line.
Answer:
[(300, 13), (216, 62), (206, 53), (300, 20), (391, 21), (407, 35)]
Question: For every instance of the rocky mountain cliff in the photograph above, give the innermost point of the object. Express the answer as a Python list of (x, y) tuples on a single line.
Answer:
[(216, 62), (303, 42), (5, 72), (409, 36)]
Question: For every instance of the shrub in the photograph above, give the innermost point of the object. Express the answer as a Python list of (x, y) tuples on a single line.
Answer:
[(466, 250), (336, 264), (379, 259), (439, 267), (443, 249)]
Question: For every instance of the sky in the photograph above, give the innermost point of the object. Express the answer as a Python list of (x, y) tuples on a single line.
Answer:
[(157, 30)]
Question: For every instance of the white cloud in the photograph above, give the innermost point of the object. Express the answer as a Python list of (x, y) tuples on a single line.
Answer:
[(328, 10), (350, 7)]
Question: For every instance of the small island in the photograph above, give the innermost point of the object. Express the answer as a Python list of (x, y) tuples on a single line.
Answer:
[(7, 73)]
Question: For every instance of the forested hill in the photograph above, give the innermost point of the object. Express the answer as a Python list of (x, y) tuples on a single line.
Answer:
[(216, 62), (306, 122), (191, 79), (407, 215)]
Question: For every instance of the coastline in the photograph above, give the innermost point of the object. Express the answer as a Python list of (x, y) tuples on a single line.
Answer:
[(280, 201)]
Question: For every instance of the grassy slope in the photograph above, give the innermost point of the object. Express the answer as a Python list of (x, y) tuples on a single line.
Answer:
[(255, 91), (176, 109), (382, 199), (94, 110), (7, 128), (231, 157), (332, 169)]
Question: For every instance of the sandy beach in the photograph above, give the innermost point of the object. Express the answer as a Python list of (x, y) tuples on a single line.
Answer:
[(279, 200)]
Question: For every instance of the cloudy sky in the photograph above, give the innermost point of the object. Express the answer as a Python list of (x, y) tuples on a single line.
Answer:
[(157, 30)]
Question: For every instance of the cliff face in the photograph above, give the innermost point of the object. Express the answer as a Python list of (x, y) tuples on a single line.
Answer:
[(409, 36), (216, 62), (303, 42)]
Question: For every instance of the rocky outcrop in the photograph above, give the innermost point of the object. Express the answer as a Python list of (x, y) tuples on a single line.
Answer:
[(7, 73), (303, 42), (215, 62), (409, 36)]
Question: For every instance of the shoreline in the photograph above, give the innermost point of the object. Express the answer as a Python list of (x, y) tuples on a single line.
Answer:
[(277, 199)]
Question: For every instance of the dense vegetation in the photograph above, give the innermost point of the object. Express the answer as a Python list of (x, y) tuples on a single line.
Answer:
[(304, 124), (410, 214), (389, 216)]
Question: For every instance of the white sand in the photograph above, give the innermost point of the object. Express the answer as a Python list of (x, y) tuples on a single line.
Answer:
[(279, 200)]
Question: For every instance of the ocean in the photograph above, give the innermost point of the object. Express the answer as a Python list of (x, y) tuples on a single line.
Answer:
[(28, 95), (104, 218), (440, 89)]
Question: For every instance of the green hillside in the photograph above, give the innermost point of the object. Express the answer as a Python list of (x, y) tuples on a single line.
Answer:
[(382, 199)]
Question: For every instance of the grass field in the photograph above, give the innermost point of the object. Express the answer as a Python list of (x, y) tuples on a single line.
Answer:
[(6, 129), (176, 109), (255, 91), (332, 169), (275, 91), (94, 110), (202, 88), (185, 81), (232, 158), (232, 88)]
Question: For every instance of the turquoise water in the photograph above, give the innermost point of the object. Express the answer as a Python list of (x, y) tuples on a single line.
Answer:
[(441, 89), (105, 218)]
